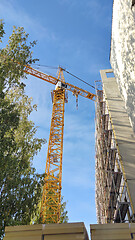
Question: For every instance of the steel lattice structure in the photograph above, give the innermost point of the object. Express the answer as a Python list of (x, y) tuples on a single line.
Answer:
[(51, 198)]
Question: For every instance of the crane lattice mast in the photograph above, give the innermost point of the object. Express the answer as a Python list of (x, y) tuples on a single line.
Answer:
[(51, 198)]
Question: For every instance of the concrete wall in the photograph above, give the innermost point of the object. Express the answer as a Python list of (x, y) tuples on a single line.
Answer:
[(123, 231), (62, 231), (122, 54)]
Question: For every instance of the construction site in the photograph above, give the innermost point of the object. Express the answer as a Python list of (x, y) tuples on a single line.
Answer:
[(114, 100)]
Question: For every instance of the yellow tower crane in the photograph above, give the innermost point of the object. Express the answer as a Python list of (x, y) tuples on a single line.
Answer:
[(51, 198)]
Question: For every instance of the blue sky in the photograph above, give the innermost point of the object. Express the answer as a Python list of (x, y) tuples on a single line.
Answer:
[(76, 35)]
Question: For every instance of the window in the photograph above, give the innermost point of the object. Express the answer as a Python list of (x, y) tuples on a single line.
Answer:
[(133, 3)]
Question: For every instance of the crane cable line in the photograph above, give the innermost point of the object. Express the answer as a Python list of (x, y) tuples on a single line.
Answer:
[(40, 65), (79, 78), (66, 72)]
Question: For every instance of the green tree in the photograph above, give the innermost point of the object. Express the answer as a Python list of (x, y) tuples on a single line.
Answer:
[(36, 219), (20, 186), (64, 212)]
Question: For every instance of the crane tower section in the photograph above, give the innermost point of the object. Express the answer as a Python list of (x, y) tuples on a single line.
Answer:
[(51, 198)]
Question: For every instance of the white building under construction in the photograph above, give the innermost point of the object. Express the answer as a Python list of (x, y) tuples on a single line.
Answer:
[(115, 123), (115, 156)]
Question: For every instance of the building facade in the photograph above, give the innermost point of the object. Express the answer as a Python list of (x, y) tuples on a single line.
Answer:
[(122, 53), (115, 156), (115, 123)]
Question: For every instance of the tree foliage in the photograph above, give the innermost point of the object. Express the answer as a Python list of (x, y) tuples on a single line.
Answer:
[(63, 214), (20, 186)]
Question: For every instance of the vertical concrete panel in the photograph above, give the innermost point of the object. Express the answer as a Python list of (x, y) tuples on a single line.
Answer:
[(123, 231), (122, 54)]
